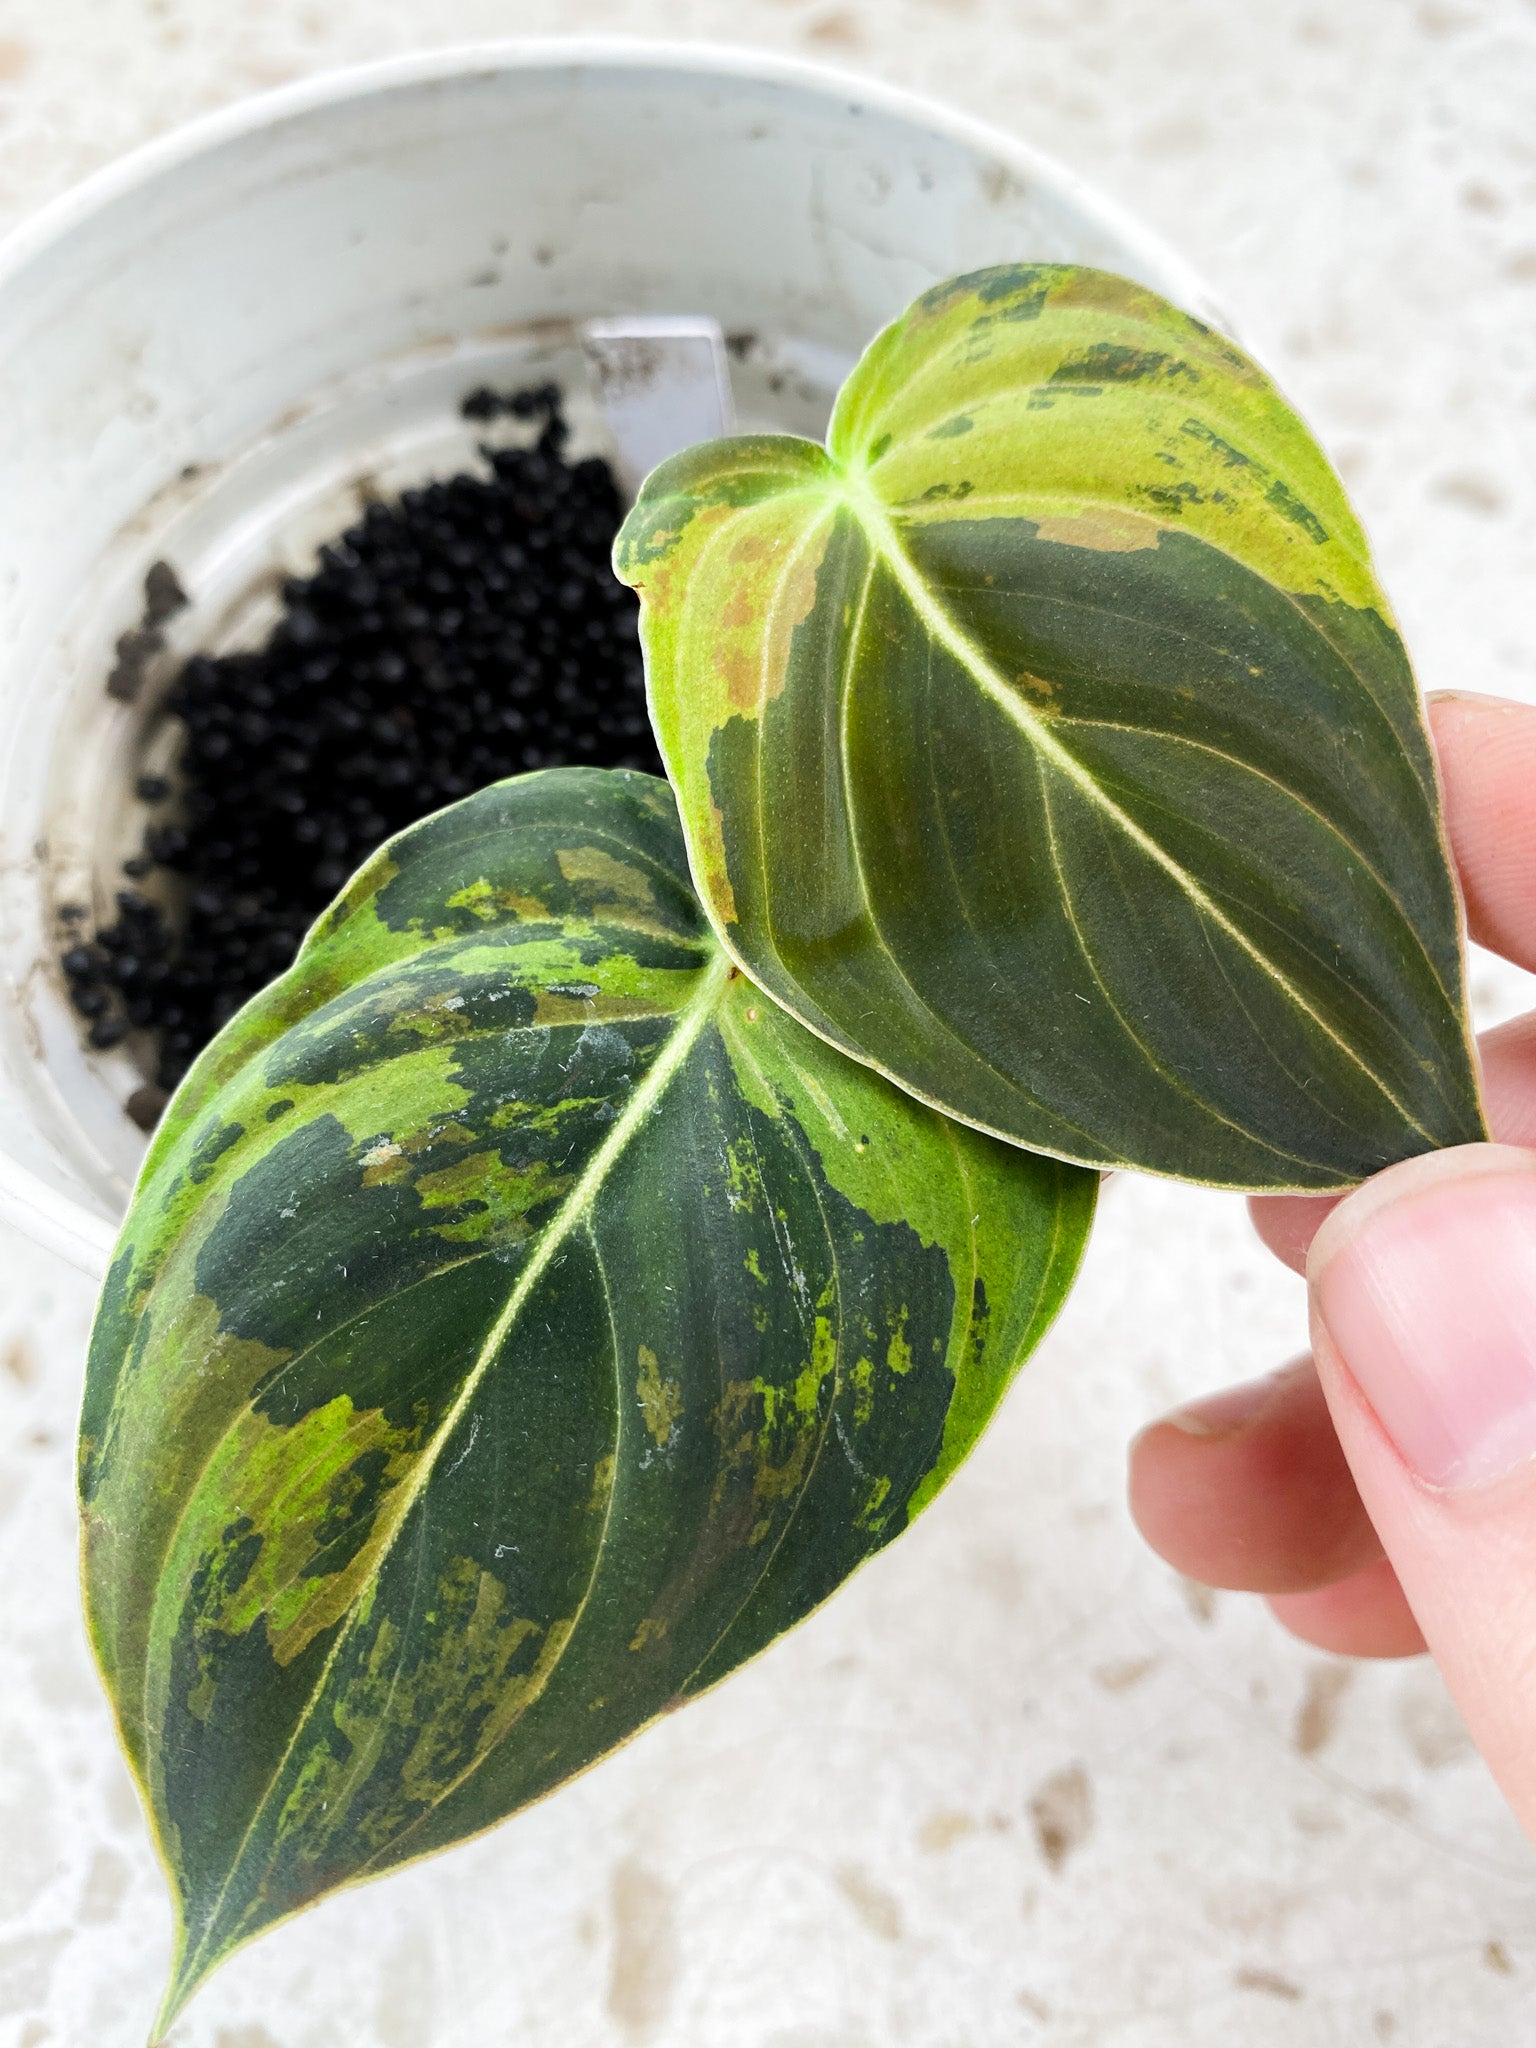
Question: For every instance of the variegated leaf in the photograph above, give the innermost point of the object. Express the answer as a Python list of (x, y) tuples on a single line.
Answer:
[(1046, 742), (520, 1322)]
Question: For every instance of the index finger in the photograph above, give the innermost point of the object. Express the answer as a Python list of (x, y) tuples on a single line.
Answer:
[(1487, 752)]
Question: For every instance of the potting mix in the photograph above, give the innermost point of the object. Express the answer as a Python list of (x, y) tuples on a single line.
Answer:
[(470, 629)]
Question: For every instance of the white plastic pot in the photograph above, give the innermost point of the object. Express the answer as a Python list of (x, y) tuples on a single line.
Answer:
[(211, 349)]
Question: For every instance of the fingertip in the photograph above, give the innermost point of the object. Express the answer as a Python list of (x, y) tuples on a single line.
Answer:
[(1423, 1284), (1248, 1489), (1424, 1304), (1486, 748), (1366, 1615), (1287, 1224)]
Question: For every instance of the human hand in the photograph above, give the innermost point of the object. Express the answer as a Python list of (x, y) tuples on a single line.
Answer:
[(1382, 1494)]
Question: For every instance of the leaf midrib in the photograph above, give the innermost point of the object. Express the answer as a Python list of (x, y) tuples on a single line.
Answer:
[(892, 959), (1172, 1081), (1367, 865), (691, 1021), (963, 650), (319, 1098)]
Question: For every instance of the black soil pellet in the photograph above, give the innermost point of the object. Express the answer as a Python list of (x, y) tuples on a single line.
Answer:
[(470, 630)]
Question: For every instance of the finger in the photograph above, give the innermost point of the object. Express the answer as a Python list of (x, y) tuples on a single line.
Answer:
[(1508, 1055), (1486, 748), (1364, 1616), (1249, 1489), (1288, 1223), (1423, 1288)]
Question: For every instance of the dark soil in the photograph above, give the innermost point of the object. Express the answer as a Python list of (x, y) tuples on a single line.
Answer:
[(467, 631)]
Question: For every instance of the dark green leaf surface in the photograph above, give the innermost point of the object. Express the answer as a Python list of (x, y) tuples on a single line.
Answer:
[(1046, 742), (519, 1323)]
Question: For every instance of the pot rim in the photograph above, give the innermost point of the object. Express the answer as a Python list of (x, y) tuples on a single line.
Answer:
[(494, 57)]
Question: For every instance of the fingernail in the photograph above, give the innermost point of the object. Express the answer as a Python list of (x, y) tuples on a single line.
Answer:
[(1224, 1414), (1425, 1282), (1478, 697)]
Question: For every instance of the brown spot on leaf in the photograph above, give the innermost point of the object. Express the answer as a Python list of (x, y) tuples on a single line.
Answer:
[(1062, 1811), (713, 876), (644, 1966), (20, 1361), (1496, 1956), (15, 58), (1319, 1710), (742, 677), (1106, 529), (245, 2037), (875, 1907), (738, 613)]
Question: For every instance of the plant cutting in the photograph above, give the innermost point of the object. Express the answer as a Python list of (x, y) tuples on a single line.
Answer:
[(625, 1214)]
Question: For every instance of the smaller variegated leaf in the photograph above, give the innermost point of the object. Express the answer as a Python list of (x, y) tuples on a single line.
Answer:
[(1046, 742), (520, 1321)]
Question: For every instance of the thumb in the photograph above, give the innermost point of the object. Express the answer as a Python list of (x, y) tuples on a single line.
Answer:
[(1423, 1296)]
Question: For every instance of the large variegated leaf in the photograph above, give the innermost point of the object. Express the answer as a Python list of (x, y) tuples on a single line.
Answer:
[(1046, 742), (519, 1323)]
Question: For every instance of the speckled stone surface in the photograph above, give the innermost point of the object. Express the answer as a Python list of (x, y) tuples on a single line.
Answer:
[(1017, 1784)]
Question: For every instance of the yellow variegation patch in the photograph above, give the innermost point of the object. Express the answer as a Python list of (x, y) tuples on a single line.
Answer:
[(409, 1484)]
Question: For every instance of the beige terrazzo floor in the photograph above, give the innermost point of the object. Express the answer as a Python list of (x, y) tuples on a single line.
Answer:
[(1017, 1784)]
